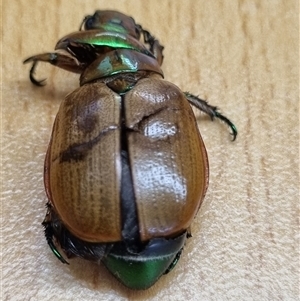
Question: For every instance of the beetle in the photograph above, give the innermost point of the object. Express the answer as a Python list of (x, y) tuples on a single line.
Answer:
[(126, 169)]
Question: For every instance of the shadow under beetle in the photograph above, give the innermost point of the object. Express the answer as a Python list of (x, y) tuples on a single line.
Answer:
[(126, 169)]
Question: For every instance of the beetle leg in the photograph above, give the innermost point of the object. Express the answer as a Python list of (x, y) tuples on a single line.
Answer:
[(174, 262), (210, 110), (155, 47), (49, 233), (189, 232), (36, 82), (59, 58)]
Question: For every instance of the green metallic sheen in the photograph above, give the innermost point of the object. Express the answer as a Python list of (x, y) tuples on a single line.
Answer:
[(119, 61), (98, 37), (111, 27), (112, 21), (137, 274)]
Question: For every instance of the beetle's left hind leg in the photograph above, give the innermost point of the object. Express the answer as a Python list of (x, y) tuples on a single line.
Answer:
[(49, 234), (59, 58), (210, 110)]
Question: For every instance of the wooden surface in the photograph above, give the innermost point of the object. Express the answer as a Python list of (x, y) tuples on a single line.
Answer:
[(243, 56)]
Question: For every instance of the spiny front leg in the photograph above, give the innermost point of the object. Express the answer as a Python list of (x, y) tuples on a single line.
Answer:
[(59, 58)]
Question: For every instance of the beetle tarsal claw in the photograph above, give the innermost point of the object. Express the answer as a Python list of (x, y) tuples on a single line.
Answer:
[(229, 123), (36, 82)]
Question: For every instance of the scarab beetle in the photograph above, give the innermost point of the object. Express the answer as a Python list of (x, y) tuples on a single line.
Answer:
[(126, 169)]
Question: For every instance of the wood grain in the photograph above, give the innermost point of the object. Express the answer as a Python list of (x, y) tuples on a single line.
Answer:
[(243, 56)]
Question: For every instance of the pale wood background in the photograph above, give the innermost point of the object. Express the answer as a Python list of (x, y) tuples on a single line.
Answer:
[(242, 56)]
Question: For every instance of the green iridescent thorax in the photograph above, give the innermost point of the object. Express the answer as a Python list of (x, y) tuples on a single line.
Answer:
[(119, 61)]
